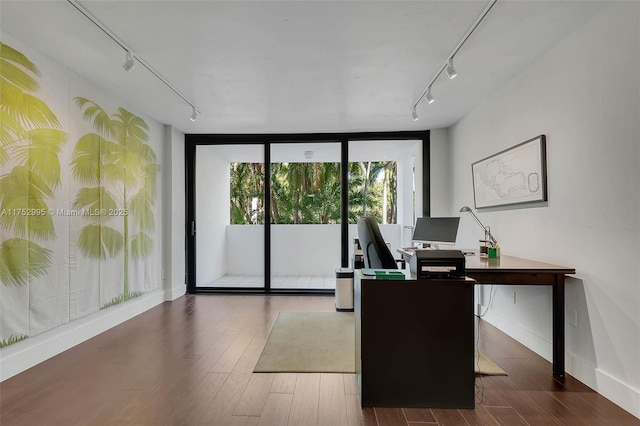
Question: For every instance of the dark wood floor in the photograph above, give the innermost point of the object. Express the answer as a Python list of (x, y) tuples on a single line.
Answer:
[(190, 362)]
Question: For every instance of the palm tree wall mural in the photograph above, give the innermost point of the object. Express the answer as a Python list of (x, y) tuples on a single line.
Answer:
[(30, 141), (119, 170), (114, 169)]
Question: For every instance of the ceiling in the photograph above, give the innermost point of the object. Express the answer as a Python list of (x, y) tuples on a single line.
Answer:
[(296, 66)]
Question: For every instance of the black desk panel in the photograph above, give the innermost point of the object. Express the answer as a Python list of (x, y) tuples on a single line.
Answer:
[(414, 342)]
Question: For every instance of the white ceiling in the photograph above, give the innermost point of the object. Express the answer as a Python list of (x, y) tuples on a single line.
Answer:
[(297, 66)]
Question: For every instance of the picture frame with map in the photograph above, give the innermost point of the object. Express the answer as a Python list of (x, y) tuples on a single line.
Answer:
[(516, 175)]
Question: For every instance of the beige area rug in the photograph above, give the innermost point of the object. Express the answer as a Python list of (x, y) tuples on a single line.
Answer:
[(310, 342), (484, 365), (323, 342)]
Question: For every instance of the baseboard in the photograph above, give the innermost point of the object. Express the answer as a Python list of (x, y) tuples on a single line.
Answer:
[(27, 353), (618, 392), (175, 292), (581, 370)]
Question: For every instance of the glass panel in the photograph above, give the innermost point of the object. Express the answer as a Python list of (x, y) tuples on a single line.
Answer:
[(230, 216), (382, 183), (247, 193), (305, 215), (373, 190)]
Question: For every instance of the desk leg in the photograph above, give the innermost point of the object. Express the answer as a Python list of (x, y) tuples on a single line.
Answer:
[(558, 327)]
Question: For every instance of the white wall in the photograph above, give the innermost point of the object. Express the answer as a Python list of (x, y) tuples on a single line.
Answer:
[(411, 181), (305, 249), (212, 217), (440, 174), (584, 96), (245, 249), (173, 184), (296, 249)]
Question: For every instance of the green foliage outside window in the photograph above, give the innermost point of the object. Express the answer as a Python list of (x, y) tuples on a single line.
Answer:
[(309, 193), (305, 193), (247, 189)]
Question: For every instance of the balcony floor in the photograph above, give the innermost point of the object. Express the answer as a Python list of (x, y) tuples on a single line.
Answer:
[(277, 281)]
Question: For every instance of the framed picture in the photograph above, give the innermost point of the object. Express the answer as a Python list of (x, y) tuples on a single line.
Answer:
[(514, 176)]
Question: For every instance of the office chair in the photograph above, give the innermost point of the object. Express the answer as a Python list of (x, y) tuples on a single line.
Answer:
[(374, 250)]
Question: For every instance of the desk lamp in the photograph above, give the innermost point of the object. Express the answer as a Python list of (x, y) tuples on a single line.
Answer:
[(487, 231)]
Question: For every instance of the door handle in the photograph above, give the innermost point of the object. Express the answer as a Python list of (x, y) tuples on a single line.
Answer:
[(193, 228)]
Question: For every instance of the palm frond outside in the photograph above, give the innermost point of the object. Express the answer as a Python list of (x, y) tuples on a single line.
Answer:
[(247, 184), (30, 142), (310, 192)]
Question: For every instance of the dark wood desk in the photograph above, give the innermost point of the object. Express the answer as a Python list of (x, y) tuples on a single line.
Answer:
[(414, 342), (516, 271)]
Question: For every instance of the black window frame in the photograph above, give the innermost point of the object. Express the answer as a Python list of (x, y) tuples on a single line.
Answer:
[(193, 140)]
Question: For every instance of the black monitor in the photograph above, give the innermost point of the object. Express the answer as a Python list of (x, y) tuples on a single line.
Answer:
[(436, 230)]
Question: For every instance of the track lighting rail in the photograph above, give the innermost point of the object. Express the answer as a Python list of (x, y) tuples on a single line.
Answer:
[(131, 55), (448, 63)]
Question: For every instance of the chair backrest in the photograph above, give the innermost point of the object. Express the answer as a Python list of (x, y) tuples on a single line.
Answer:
[(375, 251)]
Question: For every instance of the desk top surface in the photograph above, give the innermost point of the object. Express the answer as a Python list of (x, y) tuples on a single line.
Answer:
[(476, 263), (360, 273)]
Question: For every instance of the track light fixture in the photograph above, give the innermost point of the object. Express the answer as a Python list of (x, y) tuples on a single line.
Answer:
[(194, 114), (451, 71), (128, 63), (448, 65), (414, 114), (429, 96)]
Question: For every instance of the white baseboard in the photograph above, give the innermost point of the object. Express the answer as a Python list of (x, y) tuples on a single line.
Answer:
[(581, 370), (27, 353), (618, 392), (175, 292)]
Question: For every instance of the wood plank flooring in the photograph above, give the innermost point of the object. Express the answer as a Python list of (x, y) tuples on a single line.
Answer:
[(190, 362)]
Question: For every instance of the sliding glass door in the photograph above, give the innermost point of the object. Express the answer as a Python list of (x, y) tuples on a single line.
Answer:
[(305, 215), (278, 213), (382, 184), (229, 216)]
